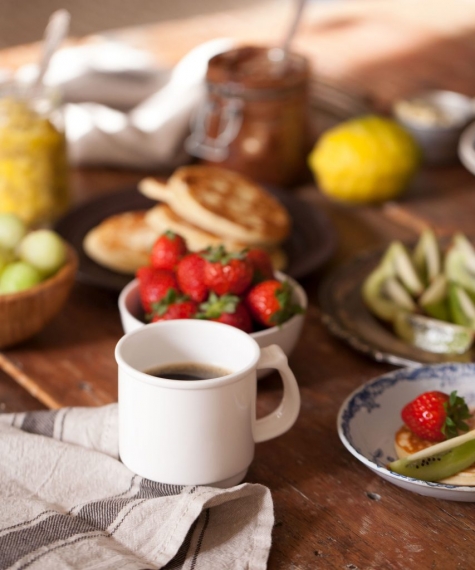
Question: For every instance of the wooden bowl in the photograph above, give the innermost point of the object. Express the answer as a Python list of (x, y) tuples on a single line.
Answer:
[(25, 313)]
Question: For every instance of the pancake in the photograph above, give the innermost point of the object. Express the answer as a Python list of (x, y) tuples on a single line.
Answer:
[(122, 242), (162, 218), (224, 203), (407, 443)]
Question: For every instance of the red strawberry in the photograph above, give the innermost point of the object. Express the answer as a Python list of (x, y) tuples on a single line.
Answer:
[(173, 306), (227, 272), (435, 416), (228, 309), (261, 264), (190, 276), (270, 302), (167, 251), (154, 284)]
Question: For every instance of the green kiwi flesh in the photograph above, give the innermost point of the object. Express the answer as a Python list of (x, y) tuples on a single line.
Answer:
[(438, 466)]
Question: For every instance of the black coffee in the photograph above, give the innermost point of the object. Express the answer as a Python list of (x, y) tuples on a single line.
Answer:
[(187, 371)]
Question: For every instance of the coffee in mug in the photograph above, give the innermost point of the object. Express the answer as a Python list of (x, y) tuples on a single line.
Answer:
[(196, 431)]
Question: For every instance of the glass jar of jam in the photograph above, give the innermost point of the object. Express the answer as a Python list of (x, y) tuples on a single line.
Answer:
[(255, 119), (33, 163)]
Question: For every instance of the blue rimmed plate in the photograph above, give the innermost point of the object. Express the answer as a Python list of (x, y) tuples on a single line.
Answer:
[(370, 416)]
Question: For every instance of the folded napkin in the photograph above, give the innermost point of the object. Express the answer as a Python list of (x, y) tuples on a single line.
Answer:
[(121, 109), (68, 502)]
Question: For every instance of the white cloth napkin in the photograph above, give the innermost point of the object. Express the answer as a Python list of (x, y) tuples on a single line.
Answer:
[(66, 501), (121, 109)]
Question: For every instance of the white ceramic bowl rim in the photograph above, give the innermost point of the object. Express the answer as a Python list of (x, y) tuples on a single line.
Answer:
[(437, 96), (364, 397), (299, 291)]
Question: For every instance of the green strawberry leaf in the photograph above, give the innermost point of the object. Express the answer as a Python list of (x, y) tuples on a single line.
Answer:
[(215, 306), (219, 254), (161, 307), (287, 307), (456, 411)]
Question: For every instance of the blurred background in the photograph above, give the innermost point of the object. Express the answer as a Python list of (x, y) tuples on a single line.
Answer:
[(19, 25)]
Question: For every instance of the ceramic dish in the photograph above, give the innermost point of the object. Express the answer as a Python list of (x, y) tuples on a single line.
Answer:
[(286, 336), (346, 316), (370, 417), (444, 116), (311, 242)]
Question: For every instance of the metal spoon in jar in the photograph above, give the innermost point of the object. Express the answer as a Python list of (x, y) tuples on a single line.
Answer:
[(55, 32), (280, 55)]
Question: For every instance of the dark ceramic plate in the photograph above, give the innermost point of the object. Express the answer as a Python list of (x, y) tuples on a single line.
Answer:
[(309, 246), (347, 317)]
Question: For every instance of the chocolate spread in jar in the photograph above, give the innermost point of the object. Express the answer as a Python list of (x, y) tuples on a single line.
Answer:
[(258, 113)]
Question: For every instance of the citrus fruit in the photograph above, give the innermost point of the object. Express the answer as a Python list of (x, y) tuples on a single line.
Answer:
[(367, 159)]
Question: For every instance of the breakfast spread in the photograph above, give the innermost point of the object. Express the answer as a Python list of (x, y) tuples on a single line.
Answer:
[(235, 288), (426, 294), (27, 258), (208, 206), (431, 418)]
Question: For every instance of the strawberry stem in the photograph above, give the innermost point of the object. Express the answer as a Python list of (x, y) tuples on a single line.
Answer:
[(457, 411)]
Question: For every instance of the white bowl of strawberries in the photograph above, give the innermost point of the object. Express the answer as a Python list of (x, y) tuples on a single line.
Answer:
[(236, 288)]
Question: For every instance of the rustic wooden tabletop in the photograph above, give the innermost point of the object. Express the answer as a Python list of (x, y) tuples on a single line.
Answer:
[(331, 511)]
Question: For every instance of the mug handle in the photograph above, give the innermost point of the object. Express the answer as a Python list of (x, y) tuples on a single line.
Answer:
[(466, 148), (284, 417)]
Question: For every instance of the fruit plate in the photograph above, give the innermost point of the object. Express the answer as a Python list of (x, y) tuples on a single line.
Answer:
[(369, 418), (310, 245), (346, 316)]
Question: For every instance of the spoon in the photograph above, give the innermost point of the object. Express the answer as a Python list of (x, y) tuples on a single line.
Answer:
[(280, 55), (56, 30)]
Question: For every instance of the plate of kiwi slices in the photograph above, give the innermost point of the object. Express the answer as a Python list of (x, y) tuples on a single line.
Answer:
[(370, 426), (407, 304)]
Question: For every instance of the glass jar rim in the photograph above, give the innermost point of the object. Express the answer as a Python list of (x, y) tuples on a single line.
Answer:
[(258, 68)]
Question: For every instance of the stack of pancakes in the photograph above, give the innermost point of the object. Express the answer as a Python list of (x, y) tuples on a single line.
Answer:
[(207, 205)]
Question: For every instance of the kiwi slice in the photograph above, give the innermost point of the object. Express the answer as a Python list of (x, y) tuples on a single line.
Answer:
[(372, 290), (431, 334), (426, 256), (458, 267), (393, 289), (405, 269), (439, 466), (462, 307), (434, 300)]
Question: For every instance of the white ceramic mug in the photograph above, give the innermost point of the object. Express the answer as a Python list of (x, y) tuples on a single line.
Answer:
[(196, 432)]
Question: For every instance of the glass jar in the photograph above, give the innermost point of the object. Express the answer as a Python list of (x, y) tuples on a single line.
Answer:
[(33, 161), (255, 119)]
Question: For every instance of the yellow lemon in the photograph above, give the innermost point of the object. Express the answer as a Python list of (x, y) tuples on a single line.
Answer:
[(368, 159)]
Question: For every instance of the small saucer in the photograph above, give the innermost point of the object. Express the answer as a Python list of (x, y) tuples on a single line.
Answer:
[(370, 416)]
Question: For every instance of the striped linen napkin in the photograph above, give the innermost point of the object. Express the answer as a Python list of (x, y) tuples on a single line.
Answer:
[(66, 501)]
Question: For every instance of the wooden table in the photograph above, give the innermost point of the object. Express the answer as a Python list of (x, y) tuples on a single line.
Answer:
[(331, 511)]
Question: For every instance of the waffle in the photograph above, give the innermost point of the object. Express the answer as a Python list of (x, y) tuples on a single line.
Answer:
[(223, 203), (407, 443), (122, 242)]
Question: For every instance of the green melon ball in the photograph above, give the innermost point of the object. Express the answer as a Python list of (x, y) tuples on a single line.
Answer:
[(12, 230), (18, 276), (6, 257), (44, 250)]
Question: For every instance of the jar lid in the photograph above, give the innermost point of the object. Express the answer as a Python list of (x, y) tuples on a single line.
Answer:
[(257, 67)]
